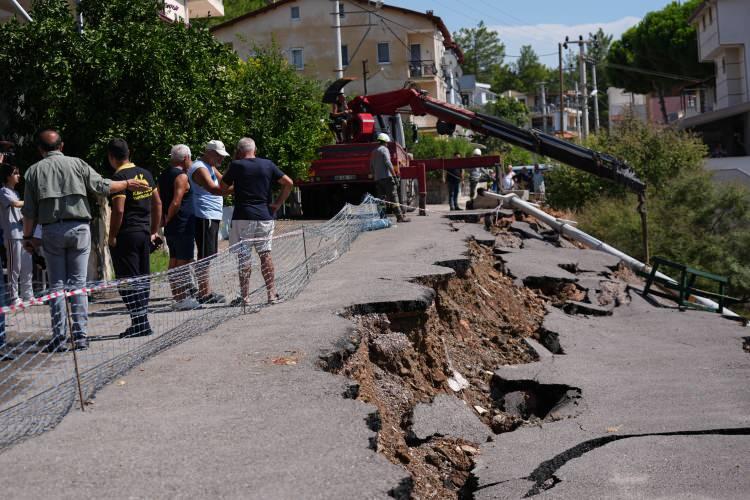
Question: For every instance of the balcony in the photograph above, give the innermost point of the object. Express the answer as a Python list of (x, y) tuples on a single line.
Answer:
[(424, 68), (184, 10), (206, 8)]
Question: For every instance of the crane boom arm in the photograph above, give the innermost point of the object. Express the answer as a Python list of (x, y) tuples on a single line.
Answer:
[(599, 164)]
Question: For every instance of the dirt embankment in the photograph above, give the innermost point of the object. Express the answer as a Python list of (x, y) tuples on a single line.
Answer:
[(478, 321)]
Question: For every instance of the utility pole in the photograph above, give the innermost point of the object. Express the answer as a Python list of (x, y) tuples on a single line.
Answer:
[(562, 90), (584, 87), (79, 17), (544, 106), (578, 114), (337, 30), (364, 75), (595, 94)]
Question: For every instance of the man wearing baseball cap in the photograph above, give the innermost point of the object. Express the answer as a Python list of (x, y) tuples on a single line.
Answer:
[(208, 204)]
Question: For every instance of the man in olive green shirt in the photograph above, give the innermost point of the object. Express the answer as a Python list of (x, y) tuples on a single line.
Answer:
[(56, 196)]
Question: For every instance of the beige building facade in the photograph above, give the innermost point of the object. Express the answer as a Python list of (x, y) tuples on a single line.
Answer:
[(394, 45)]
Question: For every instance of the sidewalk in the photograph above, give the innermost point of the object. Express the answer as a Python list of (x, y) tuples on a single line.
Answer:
[(217, 417)]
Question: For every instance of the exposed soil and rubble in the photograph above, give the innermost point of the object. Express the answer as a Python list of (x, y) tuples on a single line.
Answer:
[(477, 322), (442, 360)]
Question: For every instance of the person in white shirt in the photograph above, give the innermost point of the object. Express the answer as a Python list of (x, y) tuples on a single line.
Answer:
[(508, 182), (20, 265)]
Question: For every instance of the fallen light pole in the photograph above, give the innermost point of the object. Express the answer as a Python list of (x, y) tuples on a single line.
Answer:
[(565, 229)]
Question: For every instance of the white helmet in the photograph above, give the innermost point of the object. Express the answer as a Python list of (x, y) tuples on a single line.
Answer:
[(476, 152), (383, 137)]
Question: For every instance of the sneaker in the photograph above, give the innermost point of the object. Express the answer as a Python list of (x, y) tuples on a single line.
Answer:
[(212, 298), (5, 354), (136, 331), (186, 304), (56, 345), (403, 219), (238, 301)]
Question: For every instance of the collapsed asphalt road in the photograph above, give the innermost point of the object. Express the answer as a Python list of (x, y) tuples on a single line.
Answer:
[(638, 401)]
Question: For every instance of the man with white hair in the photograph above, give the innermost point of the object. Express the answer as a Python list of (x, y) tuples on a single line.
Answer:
[(253, 180), (179, 223)]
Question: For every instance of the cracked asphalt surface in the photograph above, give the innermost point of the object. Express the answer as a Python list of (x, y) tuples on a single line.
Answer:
[(675, 381), (665, 407)]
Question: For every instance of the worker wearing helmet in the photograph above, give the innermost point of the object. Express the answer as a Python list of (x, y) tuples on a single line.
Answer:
[(384, 174), (475, 175)]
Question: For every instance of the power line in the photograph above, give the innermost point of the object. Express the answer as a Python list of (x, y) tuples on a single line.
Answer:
[(661, 74)]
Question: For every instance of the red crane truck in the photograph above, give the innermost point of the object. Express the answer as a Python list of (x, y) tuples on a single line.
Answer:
[(342, 173)]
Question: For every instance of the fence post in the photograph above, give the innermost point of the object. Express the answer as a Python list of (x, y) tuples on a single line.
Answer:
[(68, 312), (304, 246)]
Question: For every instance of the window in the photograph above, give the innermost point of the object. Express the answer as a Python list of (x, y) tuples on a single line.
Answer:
[(297, 59), (384, 53), (710, 15), (704, 22), (341, 9), (295, 13), (345, 55), (723, 65)]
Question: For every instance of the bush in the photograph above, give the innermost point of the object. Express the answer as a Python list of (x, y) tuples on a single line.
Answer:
[(155, 83), (692, 220), (656, 154), (435, 146)]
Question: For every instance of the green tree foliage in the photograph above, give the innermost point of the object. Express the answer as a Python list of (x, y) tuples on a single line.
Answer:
[(657, 155), (530, 71), (154, 83), (435, 146), (505, 78), (483, 51), (510, 110), (692, 219), (281, 110), (662, 42)]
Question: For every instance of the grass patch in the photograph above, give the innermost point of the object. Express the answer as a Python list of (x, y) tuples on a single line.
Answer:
[(159, 261)]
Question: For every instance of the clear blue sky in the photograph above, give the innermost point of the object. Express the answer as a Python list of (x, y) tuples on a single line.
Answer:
[(540, 23)]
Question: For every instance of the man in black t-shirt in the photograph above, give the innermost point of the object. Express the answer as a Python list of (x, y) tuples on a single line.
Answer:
[(133, 225), (253, 218)]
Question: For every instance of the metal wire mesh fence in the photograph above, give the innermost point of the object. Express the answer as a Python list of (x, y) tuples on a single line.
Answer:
[(125, 321)]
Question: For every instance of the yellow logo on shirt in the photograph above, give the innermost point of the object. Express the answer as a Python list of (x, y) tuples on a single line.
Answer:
[(142, 195)]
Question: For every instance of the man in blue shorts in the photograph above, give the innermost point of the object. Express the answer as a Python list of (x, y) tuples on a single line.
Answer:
[(179, 225), (253, 180)]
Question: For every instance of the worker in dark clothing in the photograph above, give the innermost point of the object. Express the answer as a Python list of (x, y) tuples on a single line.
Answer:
[(454, 176), (133, 225), (341, 116), (385, 176)]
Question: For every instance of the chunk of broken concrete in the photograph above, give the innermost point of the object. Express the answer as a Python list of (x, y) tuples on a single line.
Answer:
[(525, 230), (574, 307), (448, 416)]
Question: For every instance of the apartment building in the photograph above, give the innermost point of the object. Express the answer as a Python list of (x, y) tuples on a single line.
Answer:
[(382, 45), (475, 94), (721, 113)]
